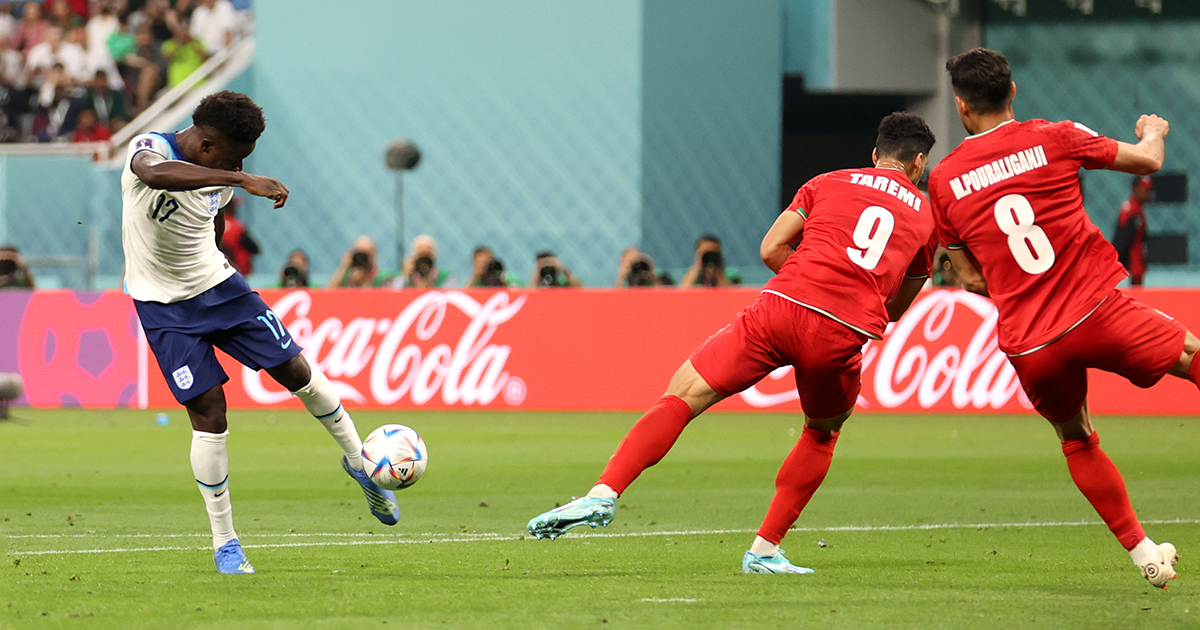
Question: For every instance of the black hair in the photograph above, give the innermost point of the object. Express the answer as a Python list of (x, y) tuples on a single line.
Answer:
[(708, 237), (545, 253), (480, 249), (231, 113), (902, 136), (982, 78)]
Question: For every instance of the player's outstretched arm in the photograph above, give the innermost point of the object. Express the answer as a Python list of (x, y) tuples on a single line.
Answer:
[(1148, 154), (160, 173), (903, 297), (777, 244), (972, 280)]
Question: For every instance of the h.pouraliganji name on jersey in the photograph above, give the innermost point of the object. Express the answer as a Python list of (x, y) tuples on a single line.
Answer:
[(998, 171)]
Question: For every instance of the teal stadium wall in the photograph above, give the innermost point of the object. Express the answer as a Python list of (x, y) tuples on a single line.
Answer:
[(1105, 75), (577, 127)]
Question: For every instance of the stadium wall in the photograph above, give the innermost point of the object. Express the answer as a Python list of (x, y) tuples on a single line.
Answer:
[(560, 350), (577, 127)]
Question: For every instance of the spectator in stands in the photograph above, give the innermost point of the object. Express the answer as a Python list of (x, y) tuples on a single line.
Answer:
[(708, 267), (53, 50), (99, 29), (295, 270), (488, 271), (57, 107), (358, 267), (8, 23), (145, 67), (184, 54), (62, 16), (14, 273), (636, 269), (31, 29), (237, 244), (89, 129), (548, 271), (1130, 237), (420, 269), (107, 103), (215, 23)]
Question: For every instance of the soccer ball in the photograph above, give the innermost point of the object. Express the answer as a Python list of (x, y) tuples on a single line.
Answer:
[(394, 456)]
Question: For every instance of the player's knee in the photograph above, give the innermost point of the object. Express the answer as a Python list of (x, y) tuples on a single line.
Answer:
[(294, 374)]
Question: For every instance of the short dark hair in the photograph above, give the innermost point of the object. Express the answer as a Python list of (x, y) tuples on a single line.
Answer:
[(982, 78), (545, 253), (480, 249), (902, 136), (708, 237), (231, 113)]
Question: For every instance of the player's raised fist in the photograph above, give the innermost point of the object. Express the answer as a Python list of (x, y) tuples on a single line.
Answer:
[(1152, 122), (266, 187)]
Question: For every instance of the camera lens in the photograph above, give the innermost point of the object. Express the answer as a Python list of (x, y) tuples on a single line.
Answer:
[(548, 275), (423, 265), (7, 267), (712, 259), (360, 260)]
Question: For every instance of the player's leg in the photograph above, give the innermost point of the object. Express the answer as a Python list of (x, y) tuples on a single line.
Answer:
[(1124, 337), (731, 360), (210, 465), (258, 339), (828, 376)]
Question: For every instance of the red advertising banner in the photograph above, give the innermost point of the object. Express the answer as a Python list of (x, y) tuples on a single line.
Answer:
[(537, 349)]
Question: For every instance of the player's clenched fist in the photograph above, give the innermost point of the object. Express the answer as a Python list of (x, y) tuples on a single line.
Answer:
[(1154, 123), (266, 187)]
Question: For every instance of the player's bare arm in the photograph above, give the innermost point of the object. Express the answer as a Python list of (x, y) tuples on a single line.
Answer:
[(971, 278), (903, 297), (777, 244), (162, 174), (1148, 154)]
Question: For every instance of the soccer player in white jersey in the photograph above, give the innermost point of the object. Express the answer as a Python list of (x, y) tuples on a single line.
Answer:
[(174, 189)]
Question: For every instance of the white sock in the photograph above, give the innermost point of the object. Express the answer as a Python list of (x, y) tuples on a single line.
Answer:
[(321, 401), (1144, 552), (763, 547), (210, 465), (602, 491)]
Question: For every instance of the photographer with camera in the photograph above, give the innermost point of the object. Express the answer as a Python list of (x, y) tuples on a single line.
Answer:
[(358, 269), (636, 270), (548, 271), (488, 271), (14, 274), (295, 271), (708, 269), (420, 269)]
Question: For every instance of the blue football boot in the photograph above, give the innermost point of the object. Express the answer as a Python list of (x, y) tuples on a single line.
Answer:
[(231, 560), (382, 502)]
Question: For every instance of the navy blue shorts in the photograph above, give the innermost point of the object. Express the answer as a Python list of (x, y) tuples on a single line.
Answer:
[(229, 316)]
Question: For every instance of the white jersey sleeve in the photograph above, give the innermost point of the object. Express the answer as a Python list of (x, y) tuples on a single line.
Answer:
[(169, 237)]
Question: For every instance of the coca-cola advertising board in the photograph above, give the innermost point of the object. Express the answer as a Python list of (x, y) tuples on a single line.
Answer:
[(560, 349)]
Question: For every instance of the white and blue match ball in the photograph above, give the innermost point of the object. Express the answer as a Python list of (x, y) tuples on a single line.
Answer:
[(394, 456)]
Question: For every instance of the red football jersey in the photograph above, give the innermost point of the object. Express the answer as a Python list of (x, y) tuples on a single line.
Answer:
[(1011, 197), (864, 229)]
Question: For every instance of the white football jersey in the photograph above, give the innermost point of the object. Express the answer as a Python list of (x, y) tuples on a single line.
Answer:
[(169, 237)]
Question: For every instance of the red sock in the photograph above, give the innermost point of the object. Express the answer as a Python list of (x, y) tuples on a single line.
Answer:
[(647, 442), (1100, 481), (799, 477)]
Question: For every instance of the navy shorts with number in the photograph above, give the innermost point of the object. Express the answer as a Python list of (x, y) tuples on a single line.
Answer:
[(229, 316)]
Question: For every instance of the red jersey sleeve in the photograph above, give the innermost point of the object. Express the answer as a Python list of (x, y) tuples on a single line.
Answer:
[(803, 201), (1090, 149), (922, 262)]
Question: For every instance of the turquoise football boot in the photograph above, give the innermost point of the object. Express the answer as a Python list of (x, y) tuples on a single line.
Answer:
[(775, 563), (382, 502), (582, 511), (231, 560)]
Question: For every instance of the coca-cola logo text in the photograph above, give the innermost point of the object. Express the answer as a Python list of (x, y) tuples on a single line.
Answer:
[(409, 355)]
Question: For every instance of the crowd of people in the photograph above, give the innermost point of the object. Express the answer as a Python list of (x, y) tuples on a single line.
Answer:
[(79, 70)]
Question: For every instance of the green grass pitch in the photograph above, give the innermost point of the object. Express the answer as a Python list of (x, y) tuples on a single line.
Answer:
[(103, 527)]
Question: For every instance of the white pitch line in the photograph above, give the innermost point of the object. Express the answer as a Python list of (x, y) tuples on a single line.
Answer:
[(489, 537)]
